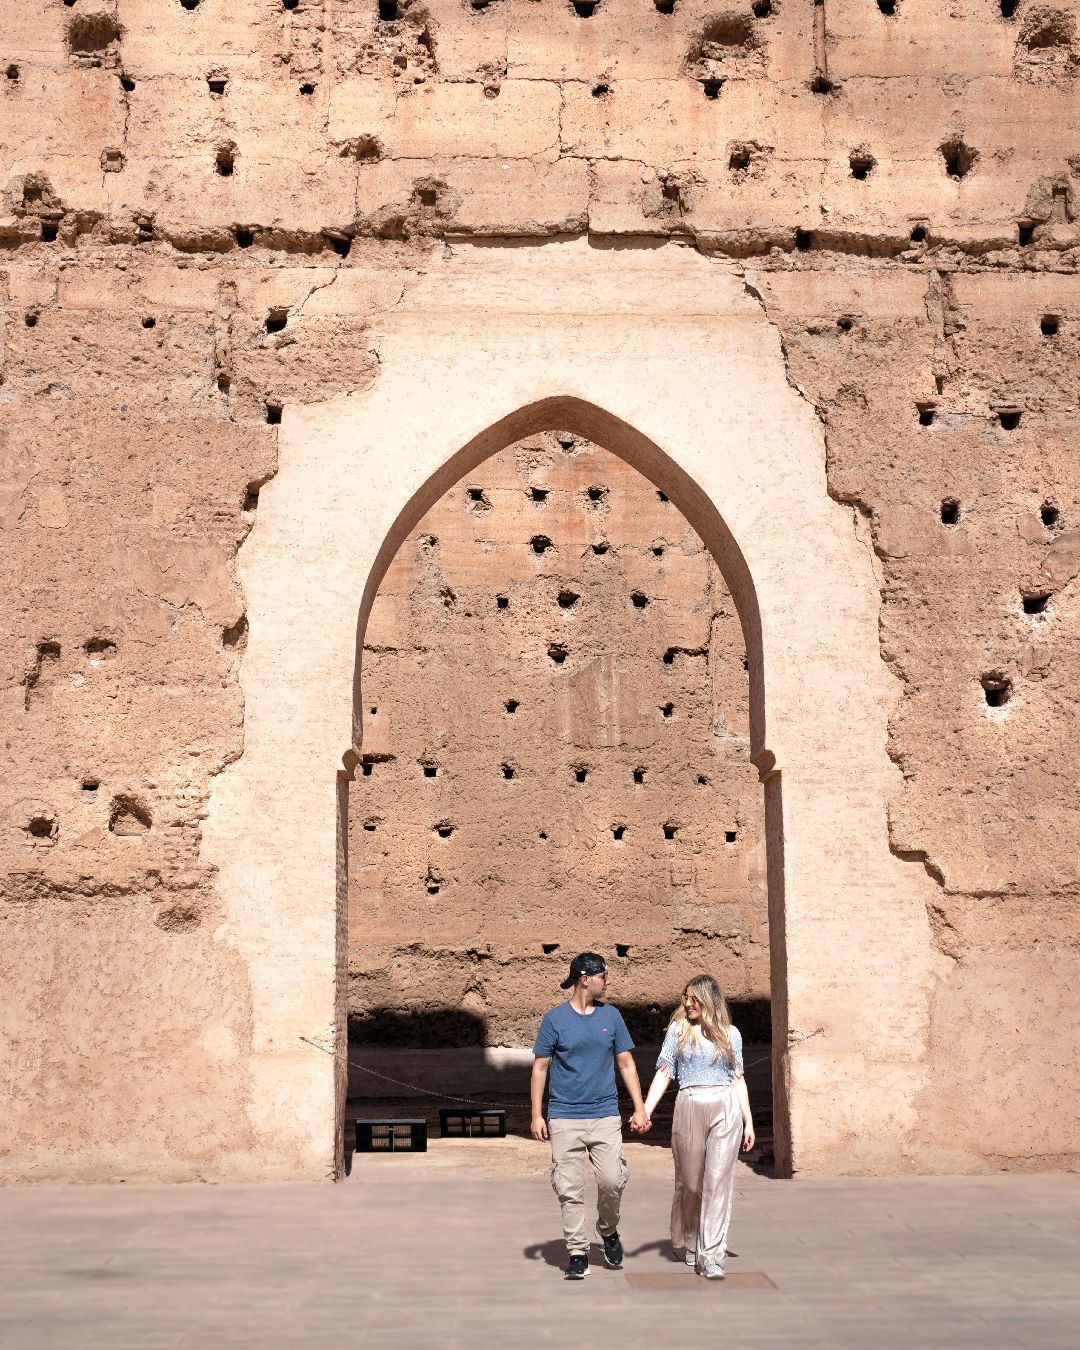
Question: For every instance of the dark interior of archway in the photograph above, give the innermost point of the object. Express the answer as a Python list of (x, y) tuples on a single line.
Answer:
[(555, 758)]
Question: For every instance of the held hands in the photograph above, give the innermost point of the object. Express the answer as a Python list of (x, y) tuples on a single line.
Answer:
[(748, 1136), (539, 1127), (640, 1122)]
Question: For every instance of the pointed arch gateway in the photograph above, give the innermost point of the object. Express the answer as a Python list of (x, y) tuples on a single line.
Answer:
[(670, 363), (587, 422)]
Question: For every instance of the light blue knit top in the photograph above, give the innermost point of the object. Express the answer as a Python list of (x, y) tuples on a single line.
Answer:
[(695, 1066)]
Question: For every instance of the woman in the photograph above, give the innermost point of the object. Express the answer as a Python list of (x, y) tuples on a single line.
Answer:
[(712, 1113)]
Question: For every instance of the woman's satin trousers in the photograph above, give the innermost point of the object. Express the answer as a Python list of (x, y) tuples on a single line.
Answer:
[(705, 1136)]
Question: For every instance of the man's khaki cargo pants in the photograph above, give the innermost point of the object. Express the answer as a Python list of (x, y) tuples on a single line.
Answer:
[(599, 1140)]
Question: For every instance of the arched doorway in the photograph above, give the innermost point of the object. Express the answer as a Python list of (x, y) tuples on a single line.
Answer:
[(555, 758), (592, 424), (670, 363)]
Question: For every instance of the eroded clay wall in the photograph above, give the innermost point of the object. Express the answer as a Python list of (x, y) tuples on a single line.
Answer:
[(556, 759), (206, 208), (209, 123)]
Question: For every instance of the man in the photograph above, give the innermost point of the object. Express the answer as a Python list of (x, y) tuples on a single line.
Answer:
[(581, 1041)]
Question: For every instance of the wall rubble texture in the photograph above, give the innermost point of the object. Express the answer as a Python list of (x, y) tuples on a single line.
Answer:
[(205, 205), (471, 888)]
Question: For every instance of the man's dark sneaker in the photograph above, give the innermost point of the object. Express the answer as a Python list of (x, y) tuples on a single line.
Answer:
[(613, 1252), (578, 1267)]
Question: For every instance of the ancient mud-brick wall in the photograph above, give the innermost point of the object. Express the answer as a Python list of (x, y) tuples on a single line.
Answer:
[(556, 757), (207, 206)]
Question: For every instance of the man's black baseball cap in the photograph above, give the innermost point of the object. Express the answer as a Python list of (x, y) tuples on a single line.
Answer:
[(588, 963)]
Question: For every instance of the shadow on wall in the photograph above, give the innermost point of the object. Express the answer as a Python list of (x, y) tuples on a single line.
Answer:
[(442, 1051), (439, 1028)]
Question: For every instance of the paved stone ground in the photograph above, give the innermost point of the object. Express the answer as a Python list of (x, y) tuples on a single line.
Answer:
[(460, 1248)]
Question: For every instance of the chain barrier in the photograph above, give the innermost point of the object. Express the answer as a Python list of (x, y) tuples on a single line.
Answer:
[(471, 1101), (423, 1092)]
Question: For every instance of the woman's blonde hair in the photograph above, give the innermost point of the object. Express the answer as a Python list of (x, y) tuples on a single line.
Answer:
[(714, 1022)]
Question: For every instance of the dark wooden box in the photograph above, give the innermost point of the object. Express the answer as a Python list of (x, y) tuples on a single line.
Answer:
[(391, 1136), (468, 1122)]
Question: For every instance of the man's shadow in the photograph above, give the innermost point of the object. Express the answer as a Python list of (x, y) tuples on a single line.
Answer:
[(554, 1253)]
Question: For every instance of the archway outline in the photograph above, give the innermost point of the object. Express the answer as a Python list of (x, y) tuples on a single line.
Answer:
[(591, 423), (669, 362), (572, 414)]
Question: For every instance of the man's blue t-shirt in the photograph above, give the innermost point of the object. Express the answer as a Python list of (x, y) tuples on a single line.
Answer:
[(582, 1048)]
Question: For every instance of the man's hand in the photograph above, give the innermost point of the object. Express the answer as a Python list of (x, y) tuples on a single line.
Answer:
[(639, 1121), (539, 1127)]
